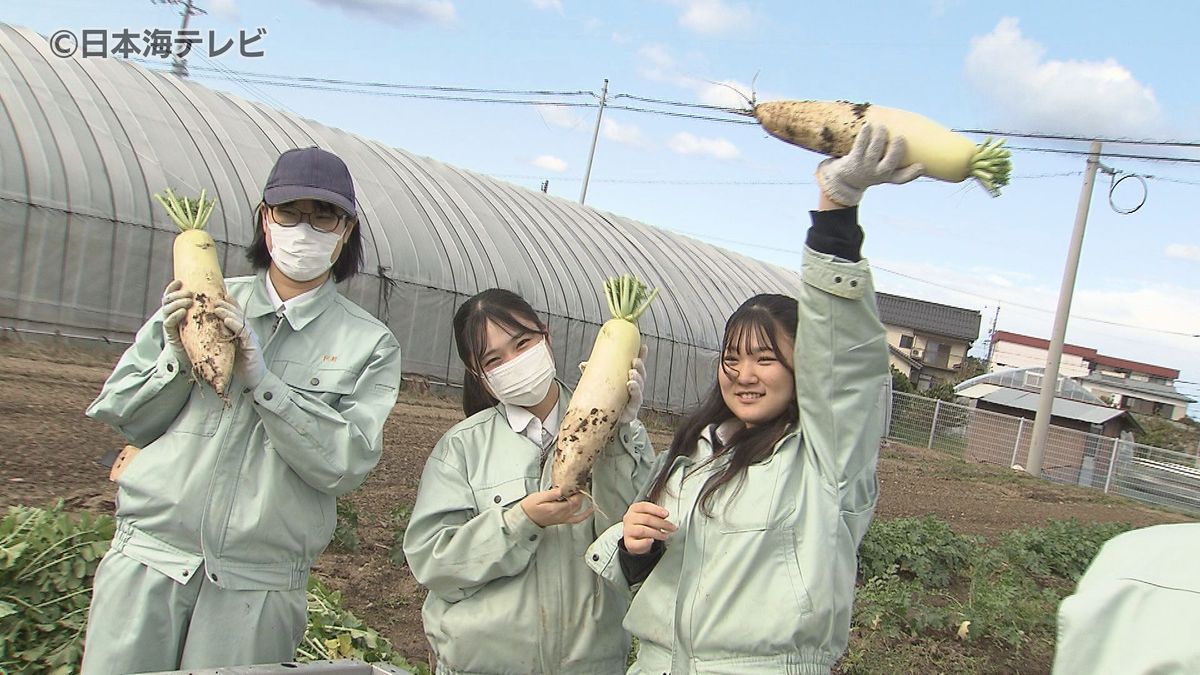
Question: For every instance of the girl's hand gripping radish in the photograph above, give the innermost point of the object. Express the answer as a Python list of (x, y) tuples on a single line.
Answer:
[(175, 304), (636, 386), (249, 365), (872, 161), (550, 508), (830, 128)]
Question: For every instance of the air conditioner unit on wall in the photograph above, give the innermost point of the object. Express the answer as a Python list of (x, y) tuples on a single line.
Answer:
[(917, 352)]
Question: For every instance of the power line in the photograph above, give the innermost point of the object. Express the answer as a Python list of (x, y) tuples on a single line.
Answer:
[(668, 113), (394, 85), (701, 106), (395, 94), (1061, 137), (340, 85), (949, 288), (1152, 158)]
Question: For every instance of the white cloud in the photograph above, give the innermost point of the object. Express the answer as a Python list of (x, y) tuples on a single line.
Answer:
[(688, 144), (1033, 92), (560, 116), (998, 280), (224, 9), (620, 38), (548, 4), (398, 11), (627, 134), (712, 17), (657, 65), (550, 163), (1184, 252)]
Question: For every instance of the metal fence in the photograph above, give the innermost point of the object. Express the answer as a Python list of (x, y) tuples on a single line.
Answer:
[(1114, 465)]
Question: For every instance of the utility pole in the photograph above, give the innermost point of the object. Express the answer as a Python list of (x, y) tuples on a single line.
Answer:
[(987, 368), (179, 66), (587, 173), (1041, 423)]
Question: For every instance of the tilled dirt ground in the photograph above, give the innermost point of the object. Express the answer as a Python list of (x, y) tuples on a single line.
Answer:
[(48, 451)]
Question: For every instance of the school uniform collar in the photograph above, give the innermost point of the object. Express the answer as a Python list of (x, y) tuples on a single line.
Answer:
[(519, 418), (299, 311)]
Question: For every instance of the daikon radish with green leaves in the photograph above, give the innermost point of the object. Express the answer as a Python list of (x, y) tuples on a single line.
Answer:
[(208, 343), (603, 392), (830, 127)]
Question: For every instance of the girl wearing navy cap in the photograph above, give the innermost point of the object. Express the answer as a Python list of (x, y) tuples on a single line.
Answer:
[(222, 512)]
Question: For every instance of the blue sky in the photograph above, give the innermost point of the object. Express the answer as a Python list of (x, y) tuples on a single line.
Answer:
[(1112, 69)]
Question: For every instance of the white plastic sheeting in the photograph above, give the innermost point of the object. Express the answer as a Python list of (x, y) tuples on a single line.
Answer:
[(84, 143)]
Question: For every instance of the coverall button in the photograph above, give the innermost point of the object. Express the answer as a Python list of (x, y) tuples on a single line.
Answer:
[(170, 367), (854, 283), (246, 390), (314, 382), (213, 576), (496, 499), (837, 280), (185, 573), (268, 396), (533, 537), (595, 557)]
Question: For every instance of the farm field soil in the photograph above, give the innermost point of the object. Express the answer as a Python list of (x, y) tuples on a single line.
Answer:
[(48, 452)]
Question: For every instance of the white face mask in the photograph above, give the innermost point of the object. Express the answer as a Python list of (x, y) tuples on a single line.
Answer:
[(525, 380), (301, 252)]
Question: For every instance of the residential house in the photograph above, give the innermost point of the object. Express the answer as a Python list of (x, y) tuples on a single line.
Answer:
[(927, 341), (1006, 404), (1129, 385)]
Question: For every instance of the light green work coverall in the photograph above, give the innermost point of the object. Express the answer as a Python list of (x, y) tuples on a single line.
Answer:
[(766, 584), (507, 597), (1136, 608), (221, 514)]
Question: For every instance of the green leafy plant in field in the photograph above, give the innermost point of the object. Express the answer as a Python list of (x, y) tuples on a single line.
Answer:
[(47, 560), (922, 581), (925, 549), (335, 633), (1062, 548)]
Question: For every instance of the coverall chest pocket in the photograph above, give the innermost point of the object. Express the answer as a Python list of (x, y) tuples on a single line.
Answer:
[(327, 384), (500, 495), (754, 504), (202, 414)]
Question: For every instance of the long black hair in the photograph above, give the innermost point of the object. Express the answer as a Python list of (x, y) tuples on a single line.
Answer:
[(349, 262), (761, 320), (502, 307)]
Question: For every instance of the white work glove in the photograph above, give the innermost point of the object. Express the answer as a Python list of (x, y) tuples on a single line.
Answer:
[(636, 386), (175, 304), (249, 365), (872, 161)]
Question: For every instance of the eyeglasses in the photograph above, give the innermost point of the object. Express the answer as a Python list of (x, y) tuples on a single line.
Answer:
[(326, 219)]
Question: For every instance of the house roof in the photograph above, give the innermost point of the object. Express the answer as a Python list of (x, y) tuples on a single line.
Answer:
[(929, 317), (1087, 353), (1029, 341), (1028, 400), (1137, 367), (1150, 388)]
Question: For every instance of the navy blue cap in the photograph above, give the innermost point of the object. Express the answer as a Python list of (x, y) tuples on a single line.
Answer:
[(310, 173)]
